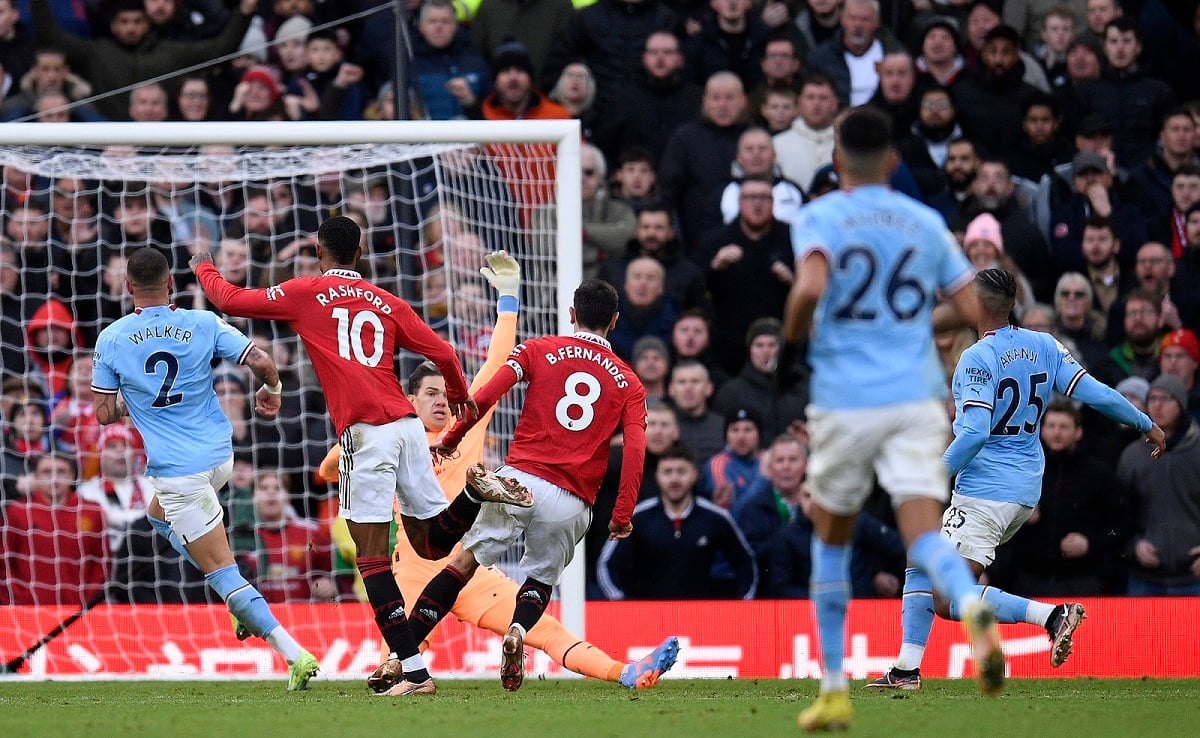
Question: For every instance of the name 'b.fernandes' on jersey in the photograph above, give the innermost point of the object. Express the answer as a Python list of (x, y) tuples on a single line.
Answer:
[(1002, 386), (159, 358), (889, 255), (351, 330), (579, 395)]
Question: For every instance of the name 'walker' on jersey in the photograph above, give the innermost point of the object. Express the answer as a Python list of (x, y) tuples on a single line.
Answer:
[(872, 342), (159, 359)]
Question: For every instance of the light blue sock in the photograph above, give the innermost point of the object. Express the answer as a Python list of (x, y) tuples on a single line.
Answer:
[(165, 531), (830, 593), (1009, 608), (933, 554), (243, 600), (916, 619)]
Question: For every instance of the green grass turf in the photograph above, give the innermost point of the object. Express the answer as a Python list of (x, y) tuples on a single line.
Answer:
[(1092, 708)]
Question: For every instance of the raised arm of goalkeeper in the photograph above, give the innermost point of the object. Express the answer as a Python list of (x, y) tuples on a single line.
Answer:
[(504, 274)]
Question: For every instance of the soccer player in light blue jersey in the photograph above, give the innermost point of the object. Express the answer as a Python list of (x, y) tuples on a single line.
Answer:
[(870, 262), (155, 366), (1002, 386)]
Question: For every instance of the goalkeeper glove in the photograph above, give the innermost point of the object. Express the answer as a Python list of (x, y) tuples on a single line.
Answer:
[(503, 273)]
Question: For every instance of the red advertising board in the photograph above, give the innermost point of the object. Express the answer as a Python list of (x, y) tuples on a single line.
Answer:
[(767, 639)]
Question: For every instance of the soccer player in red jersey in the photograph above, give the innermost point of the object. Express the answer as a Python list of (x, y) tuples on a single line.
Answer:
[(579, 395), (352, 330)]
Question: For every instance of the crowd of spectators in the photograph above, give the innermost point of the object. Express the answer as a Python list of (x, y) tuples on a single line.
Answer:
[(1059, 140)]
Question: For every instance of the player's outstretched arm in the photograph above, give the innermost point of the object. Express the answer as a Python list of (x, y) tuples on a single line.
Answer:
[(1157, 438), (267, 399), (269, 304), (1090, 391)]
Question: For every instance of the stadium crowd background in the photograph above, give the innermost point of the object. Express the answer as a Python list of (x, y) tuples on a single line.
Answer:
[(1059, 141)]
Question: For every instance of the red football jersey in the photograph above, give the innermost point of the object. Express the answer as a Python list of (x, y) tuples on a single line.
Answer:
[(293, 555), (580, 394), (352, 330)]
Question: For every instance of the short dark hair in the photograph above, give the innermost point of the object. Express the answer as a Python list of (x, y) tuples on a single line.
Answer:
[(863, 135), (817, 79), (677, 451), (1186, 170), (147, 267), (69, 459), (635, 154), (423, 370), (1124, 24), (1101, 221), (1144, 295), (595, 304), (340, 236), (997, 290), (1067, 407), (1043, 99)]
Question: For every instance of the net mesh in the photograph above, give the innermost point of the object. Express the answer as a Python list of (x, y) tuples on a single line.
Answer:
[(429, 213)]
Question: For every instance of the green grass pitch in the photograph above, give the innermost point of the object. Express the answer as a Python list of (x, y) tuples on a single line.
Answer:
[(1091, 708)]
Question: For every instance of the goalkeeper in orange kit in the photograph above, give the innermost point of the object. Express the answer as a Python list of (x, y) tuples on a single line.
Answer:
[(486, 600)]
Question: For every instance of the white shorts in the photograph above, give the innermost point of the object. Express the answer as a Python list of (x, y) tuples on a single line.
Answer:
[(381, 463), (190, 502), (977, 527), (555, 523), (901, 444)]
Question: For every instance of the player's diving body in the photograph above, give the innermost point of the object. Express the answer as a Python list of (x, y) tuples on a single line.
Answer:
[(352, 330), (154, 365), (485, 601), (1002, 386)]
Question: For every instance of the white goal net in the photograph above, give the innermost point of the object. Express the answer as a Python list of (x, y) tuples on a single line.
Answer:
[(77, 199)]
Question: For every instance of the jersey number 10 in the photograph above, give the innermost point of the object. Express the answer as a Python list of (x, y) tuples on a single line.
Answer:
[(350, 336)]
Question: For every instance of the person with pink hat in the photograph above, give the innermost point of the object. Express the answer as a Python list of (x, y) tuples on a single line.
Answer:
[(984, 246)]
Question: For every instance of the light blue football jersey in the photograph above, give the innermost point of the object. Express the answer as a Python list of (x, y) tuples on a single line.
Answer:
[(1012, 372), (159, 358), (872, 343)]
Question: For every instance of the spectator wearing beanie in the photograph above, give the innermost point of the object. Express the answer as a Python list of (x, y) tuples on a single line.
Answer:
[(258, 96), (651, 362), (1179, 356), (755, 386), (514, 96), (727, 475), (1167, 520), (984, 247)]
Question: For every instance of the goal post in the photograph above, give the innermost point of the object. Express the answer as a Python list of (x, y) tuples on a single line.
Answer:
[(432, 197)]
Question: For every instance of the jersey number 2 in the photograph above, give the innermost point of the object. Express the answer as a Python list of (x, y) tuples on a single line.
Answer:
[(572, 399), (165, 398), (350, 336)]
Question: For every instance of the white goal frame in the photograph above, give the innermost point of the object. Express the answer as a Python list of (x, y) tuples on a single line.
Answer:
[(564, 134)]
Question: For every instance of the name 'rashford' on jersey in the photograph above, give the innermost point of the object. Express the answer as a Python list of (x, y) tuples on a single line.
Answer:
[(159, 359), (351, 331), (872, 342)]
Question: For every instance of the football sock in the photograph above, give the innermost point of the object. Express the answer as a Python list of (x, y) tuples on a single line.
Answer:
[(1010, 608), (435, 601), (248, 605), (165, 531), (830, 593), (560, 644), (532, 599), (933, 554), (448, 527), (388, 605), (916, 619)]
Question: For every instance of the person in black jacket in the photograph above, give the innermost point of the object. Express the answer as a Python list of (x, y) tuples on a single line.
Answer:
[(1063, 549), (772, 501), (676, 537)]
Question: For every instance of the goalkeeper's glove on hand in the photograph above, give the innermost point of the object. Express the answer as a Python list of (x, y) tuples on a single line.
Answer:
[(503, 273)]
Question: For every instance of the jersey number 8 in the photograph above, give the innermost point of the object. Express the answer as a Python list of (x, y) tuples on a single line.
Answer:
[(572, 399)]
